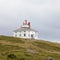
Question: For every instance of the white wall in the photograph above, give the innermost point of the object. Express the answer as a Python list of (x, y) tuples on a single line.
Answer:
[(28, 34)]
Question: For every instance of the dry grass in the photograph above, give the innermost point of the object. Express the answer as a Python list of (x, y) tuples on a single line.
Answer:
[(21, 46)]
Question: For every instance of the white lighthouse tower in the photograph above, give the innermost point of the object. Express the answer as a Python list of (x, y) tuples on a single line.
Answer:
[(25, 31)]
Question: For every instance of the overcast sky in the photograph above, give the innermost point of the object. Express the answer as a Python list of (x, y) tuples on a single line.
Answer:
[(43, 14)]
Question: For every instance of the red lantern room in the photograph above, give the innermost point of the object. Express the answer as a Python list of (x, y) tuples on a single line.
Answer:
[(26, 23)]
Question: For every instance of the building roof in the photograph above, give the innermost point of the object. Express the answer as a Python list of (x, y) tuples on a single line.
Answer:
[(24, 29)]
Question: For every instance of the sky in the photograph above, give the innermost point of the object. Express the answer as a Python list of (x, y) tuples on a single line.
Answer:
[(44, 16)]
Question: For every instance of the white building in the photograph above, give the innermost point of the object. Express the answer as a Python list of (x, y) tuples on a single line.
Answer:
[(26, 31)]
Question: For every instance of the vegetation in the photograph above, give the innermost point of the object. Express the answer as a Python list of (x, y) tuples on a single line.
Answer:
[(24, 49)]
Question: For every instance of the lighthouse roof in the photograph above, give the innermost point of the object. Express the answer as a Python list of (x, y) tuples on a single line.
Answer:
[(25, 29)]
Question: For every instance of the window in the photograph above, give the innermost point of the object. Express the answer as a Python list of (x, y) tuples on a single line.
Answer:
[(24, 35), (24, 31), (20, 35), (15, 35), (32, 36)]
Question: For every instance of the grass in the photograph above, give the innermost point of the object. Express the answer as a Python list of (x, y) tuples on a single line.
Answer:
[(49, 47), (12, 39), (25, 49)]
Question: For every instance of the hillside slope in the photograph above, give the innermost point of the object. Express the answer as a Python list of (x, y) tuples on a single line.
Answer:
[(25, 49)]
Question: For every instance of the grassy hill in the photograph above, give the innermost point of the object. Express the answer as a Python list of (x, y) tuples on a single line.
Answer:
[(25, 49)]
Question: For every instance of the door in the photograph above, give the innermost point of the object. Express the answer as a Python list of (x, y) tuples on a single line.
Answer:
[(32, 36)]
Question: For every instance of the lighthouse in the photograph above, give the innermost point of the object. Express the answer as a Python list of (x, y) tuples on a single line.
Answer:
[(26, 23), (25, 31)]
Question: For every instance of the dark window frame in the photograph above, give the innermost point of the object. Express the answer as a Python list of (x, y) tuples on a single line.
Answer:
[(24, 35)]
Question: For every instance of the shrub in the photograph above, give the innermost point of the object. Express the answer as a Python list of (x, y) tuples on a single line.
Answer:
[(11, 56)]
